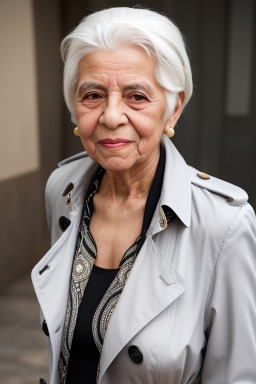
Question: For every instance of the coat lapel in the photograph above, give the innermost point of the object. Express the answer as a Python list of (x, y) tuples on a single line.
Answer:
[(51, 276), (153, 284)]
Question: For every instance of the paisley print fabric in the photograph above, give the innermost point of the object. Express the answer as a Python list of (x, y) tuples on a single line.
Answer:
[(84, 259)]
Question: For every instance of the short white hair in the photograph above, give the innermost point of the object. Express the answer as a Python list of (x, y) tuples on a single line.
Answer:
[(112, 28)]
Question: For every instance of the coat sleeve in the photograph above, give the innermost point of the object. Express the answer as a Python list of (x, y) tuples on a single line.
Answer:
[(230, 355)]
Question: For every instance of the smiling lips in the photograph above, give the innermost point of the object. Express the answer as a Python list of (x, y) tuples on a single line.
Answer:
[(114, 144)]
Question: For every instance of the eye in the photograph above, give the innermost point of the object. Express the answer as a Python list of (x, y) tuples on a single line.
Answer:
[(92, 96), (139, 97)]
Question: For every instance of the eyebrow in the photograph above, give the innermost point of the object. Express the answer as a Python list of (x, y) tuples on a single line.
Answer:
[(91, 85)]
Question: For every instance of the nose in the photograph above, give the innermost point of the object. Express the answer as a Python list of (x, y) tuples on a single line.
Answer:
[(113, 114)]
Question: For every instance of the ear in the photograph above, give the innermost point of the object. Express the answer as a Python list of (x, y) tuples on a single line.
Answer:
[(176, 113)]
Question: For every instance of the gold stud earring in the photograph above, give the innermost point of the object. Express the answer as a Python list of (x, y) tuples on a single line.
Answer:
[(76, 132), (170, 133)]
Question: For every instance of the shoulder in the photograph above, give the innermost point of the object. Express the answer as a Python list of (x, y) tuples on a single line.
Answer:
[(216, 206), (72, 159), (70, 170), (68, 167), (222, 217), (69, 177), (233, 195)]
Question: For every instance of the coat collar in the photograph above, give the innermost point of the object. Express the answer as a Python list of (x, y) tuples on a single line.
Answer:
[(79, 181), (176, 189)]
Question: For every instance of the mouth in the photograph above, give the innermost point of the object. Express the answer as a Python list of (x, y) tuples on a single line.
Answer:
[(114, 143)]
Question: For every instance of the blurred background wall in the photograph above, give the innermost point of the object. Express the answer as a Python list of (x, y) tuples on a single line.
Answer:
[(216, 133)]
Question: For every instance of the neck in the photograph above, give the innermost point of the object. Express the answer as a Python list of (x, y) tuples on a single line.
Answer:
[(129, 184)]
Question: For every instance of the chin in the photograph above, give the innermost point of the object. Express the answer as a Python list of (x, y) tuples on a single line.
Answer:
[(118, 164), (118, 161)]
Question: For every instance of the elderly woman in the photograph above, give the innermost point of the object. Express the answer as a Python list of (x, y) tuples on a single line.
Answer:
[(151, 274)]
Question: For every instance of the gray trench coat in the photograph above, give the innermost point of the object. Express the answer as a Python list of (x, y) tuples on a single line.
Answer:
[(189, 304)]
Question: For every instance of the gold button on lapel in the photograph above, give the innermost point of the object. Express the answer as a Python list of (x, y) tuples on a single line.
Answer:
[(68, 201), (203, 175), (67, 193)]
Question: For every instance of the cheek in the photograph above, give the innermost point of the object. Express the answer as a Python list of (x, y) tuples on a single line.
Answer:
[(89, 146), (150, 136), (87, 120), (87, 124)]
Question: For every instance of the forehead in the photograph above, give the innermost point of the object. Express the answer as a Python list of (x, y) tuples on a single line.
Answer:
[(124, 63)]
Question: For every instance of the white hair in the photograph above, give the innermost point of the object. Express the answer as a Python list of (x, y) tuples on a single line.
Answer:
[(115, 27)]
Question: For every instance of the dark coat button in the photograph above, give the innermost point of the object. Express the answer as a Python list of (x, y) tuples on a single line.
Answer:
[(64, 223), (135, 354), (45, 328), (42, 381)]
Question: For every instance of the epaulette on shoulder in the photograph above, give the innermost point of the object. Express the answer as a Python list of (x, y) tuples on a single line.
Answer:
[(72, 158), (234, 195)]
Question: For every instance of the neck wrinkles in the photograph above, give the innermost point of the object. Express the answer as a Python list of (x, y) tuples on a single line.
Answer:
[(130, 184)]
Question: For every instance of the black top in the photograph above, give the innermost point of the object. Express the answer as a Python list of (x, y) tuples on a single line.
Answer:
[(84, 356)]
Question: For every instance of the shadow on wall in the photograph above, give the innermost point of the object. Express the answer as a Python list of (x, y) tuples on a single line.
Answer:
[(30, 141)]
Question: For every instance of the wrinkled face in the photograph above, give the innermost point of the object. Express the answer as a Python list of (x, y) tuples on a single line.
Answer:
[(119, 108)]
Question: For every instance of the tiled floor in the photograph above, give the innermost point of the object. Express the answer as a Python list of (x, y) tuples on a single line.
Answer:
[(23, 352)]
